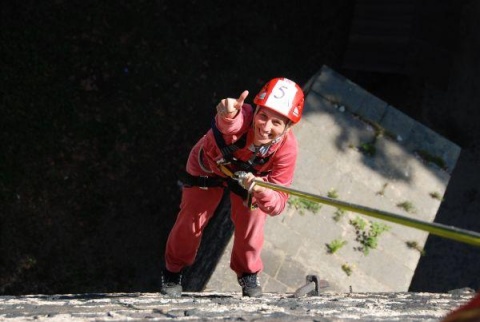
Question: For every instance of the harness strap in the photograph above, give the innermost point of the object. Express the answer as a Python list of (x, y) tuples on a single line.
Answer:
[(200, 162), (203, 182), (228, 150)]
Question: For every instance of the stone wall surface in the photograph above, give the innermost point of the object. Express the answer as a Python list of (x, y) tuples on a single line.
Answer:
[(231, 306)]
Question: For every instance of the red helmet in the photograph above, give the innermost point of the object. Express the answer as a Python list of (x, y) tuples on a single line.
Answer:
[(282, 96)]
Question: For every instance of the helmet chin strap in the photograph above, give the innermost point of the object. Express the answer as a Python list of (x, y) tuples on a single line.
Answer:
[(263, 149)]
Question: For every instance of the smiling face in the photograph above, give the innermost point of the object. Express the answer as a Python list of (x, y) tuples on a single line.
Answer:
[(268, 125)]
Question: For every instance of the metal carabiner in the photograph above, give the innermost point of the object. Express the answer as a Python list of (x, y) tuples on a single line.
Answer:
[(240, 176)]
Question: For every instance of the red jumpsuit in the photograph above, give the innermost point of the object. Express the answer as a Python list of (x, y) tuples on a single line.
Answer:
[(198, 205)]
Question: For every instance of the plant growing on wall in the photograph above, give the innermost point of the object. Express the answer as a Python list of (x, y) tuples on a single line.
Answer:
[(430, 158), (347, 269), (368, 148), (332, 193), (301, 204), (339, 214), (335, 245), (416, 246), (407, 206), (436, 195), (368, 233), (382, 191)]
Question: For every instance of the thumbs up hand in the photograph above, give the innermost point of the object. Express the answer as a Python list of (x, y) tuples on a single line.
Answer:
[(229, 107)]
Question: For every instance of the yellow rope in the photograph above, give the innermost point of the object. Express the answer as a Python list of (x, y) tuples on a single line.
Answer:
[(461, 235)]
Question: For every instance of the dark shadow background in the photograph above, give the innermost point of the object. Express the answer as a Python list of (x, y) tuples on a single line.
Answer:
[(100, 105)]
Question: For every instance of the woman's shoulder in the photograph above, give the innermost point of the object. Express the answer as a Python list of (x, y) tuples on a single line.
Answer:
[(288, 146), (291, 140)]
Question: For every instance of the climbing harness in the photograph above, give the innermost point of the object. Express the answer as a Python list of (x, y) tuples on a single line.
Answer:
[(228, 151), (228, 159), (203, 182), (228, 163)]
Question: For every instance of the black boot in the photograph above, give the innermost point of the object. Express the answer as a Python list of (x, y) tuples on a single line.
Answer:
[(171, 283), (250, 285)]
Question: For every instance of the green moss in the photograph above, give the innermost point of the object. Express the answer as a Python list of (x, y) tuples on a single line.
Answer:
[(382, 191), (436, 195), (377, 128), (368, 233), (430, 158), (301, 204), (407, 206), (368, 149), (339, 214), (335, 245), (416, 246), (332, 193), (347, 269), (358, 223)]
